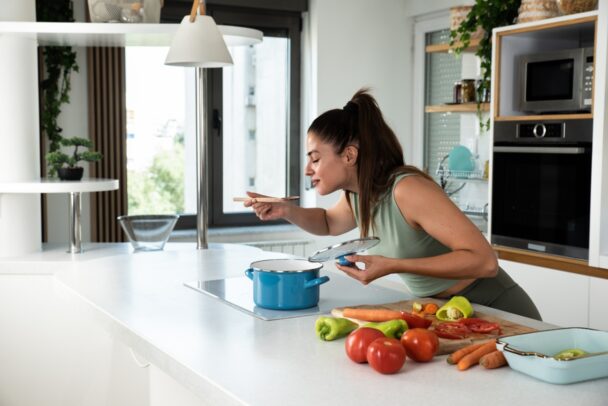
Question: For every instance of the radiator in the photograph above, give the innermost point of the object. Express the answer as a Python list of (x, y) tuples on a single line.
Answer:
[(293, 247)]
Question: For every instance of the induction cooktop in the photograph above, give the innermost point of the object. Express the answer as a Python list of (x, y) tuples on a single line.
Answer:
[(340, 291)]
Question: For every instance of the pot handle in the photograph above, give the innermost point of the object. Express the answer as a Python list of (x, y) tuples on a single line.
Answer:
[(249, 273), (316, 282)]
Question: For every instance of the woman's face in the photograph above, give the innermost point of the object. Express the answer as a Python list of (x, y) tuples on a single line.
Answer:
[(330, 171)]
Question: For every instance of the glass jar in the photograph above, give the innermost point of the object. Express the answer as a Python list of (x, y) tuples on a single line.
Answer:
[(457, 93), (468, 90), (131, 13)]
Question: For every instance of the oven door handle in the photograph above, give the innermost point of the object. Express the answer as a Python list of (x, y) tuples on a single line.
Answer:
[(541, 150)]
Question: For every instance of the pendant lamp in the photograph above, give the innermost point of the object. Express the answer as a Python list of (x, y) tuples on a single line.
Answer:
[(198, 42)]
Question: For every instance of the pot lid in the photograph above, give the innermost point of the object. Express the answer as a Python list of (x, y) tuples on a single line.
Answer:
[(344, 248), (287, 265)]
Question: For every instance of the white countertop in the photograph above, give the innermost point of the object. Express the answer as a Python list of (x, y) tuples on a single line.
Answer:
[(229, 356)]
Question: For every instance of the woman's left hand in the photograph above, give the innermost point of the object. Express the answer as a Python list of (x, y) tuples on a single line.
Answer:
[(376, 266)]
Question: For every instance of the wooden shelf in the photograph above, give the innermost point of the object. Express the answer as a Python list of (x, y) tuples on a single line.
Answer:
[(571, 265), (544, 117), (456, 108), (429, 49)]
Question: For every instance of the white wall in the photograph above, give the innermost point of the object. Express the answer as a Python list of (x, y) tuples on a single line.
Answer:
[(355, 44)]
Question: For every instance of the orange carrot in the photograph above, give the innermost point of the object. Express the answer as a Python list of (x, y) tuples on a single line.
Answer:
[(371, 314), (493, 360), (473, 358), (457, 355), (430, 308)]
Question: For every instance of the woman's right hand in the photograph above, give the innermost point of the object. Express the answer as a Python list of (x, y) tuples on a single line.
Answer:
[(267, 211)]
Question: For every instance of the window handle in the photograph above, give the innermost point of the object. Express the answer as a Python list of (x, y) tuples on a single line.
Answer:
[(217, 122)]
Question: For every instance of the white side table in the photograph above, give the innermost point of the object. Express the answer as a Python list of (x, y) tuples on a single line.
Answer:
[(74, 188)]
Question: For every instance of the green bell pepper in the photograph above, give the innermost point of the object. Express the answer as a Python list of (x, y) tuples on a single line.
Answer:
[(391, 328), (456, 308), (332, 328)]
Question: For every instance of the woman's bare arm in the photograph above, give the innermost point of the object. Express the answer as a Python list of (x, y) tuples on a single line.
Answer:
[(333, 221), (424, 205)]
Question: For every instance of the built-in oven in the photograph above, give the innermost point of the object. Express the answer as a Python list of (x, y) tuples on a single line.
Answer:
[(541, 186)]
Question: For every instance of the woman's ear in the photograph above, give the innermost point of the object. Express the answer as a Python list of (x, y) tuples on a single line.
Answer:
[(350, 155)]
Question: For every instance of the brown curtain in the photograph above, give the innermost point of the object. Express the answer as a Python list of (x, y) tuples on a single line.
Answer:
[(107, 130)]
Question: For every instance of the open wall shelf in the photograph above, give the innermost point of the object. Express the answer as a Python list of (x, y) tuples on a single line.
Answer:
[(113, 34)]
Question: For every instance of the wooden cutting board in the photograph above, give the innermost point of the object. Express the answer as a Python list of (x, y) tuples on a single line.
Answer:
[(446, 346)]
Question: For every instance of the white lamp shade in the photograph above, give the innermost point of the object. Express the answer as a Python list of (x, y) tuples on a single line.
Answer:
[(198, 44)]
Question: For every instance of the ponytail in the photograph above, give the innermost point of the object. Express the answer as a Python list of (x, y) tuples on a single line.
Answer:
[(380, 158)]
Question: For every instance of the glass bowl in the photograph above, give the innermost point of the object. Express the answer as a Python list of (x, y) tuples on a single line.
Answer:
[(148, 232)]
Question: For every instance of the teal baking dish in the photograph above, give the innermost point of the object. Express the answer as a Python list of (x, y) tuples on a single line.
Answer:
[(533, 354)]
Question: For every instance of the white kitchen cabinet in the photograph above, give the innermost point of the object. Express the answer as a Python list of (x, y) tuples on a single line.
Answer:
[(52, 355), (562, 298), (598, 303)]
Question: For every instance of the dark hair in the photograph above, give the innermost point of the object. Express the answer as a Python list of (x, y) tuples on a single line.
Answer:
[(380, 157)]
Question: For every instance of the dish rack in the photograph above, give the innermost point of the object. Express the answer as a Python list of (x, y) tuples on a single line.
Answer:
[(460, 175), (476, 211)]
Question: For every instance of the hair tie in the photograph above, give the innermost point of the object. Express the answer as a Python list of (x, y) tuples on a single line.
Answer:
[(350, 107)]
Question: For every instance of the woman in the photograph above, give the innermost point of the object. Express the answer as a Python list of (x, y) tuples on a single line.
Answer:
[(425, 238)]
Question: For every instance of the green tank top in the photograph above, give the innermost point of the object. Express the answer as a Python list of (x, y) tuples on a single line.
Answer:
[(399, 240)]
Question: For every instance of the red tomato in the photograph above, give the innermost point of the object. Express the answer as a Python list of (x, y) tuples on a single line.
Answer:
[(386, 355), (414, 321), (481, 326), (452, 330), (358, 341), (420, 344)]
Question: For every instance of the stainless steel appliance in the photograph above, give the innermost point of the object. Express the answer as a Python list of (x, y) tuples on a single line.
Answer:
[(542, 185), (559, 81)]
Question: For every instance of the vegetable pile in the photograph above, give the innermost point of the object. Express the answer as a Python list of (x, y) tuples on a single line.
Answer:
[(386, 341), (391, 336)]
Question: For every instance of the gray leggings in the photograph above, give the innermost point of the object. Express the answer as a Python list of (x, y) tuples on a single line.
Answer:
[(501, 292)]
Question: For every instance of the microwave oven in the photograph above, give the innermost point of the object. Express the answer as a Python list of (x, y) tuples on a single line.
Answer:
[(558, 81)]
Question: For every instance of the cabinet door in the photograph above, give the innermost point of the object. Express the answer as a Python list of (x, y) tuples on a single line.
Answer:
[(562, 298), (598, 303), (53, 354)]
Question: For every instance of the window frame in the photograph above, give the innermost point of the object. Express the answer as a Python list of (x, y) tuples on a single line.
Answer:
[(278, 23)]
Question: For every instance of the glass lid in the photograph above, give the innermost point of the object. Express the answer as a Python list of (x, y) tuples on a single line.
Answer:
[(344, 248)]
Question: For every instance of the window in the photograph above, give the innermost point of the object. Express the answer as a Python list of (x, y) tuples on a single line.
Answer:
[(157, 132), (441, 131), (255, 139), (253, 122)]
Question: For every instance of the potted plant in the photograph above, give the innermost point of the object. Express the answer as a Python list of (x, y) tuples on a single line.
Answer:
[(487, 14), (64, 165)]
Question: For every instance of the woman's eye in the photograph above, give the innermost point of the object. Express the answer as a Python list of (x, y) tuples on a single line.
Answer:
[(314, 161)]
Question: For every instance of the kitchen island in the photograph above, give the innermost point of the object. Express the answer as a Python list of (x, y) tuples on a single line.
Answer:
[(225, 356)]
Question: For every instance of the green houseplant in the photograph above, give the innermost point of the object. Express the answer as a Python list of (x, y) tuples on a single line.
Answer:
[(59, 62), (65, 165), (487, 14)]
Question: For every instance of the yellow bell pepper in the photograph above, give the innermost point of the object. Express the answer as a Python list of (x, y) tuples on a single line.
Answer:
[(456, 308)]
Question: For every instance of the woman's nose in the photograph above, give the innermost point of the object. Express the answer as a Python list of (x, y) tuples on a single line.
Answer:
[(308, 170)]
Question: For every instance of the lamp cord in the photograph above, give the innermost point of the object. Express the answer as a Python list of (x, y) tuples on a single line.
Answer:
[(200, 4)]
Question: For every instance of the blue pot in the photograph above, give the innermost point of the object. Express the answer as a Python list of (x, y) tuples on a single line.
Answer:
[(285, 284)]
